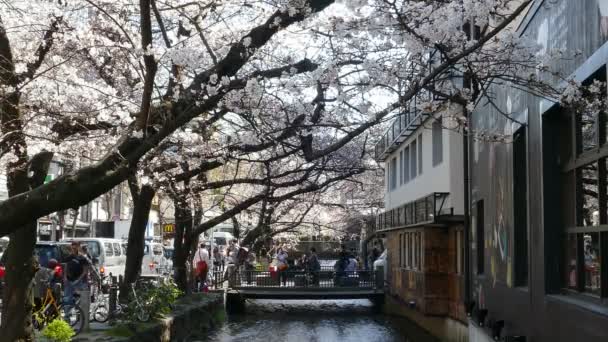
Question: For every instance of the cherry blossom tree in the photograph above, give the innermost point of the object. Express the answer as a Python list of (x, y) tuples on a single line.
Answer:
[(113, 82)]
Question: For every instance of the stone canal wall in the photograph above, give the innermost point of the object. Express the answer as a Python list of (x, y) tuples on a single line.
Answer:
[(443, 328), (193, 317)]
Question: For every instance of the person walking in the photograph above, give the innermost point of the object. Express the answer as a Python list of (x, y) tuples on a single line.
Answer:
[(314, 266), (249, 264), (201, 263), (77, 269), (282, 264), (232, 261)]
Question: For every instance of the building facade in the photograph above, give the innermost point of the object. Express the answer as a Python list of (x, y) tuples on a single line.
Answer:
[(422, 224), (539, 200)]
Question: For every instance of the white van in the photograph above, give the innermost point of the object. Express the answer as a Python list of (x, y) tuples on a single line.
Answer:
[(153, 262), (222, 238), (111, 255)]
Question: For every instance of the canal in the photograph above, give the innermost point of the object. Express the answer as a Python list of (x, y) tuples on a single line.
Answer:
[(316, 321)]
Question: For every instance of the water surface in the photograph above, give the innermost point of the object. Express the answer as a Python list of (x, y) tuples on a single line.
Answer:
[(312, 321)]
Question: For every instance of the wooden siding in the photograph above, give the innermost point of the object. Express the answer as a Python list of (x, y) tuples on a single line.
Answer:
[(436, 290)]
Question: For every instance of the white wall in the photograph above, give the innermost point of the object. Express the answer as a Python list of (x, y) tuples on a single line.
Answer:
[(447, 176)]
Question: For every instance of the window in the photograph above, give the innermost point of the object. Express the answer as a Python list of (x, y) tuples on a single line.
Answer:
[(420, 154), (437, 132), (417, 251), (117, 249), (401, 167), (400, 250), (393, 174), (413, 160), (520, 210), (406, 164), (410, 250), (408, 259), (85, 213), (480, 237), (108, 247), (584, 199)]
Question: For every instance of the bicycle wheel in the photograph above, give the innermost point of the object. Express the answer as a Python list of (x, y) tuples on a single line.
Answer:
[(101, 314), (37, 321), (74, 316), (143, 315)]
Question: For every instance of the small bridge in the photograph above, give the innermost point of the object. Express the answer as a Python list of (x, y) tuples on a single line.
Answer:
[(294, 285)]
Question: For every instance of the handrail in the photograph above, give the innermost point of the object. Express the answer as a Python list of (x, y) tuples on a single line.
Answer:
[(421, 211), (302, 280)]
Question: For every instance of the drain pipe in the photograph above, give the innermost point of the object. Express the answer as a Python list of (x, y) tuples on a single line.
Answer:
[(467, 206)]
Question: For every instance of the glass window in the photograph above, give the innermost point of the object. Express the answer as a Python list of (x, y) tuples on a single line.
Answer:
[(94, 249), (591, 242), (411, 247), (420, 154), (108, 247), (587, 183), (401, 167), (520, 206), (570, 273), (584, 185), (400, 250), (406, 165), (393, 174), (117, 249), (413, 160), (587, 131), (437, 132)]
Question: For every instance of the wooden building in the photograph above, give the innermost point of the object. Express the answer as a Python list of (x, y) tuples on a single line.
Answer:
[(423, 222)]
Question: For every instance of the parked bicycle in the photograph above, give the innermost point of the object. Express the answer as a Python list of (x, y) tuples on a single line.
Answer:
[(101, 312), (51, 309)]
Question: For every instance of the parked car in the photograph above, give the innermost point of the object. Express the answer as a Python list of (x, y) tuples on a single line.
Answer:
[(43, 251), (109, 254), (222, 238), (153, 262)]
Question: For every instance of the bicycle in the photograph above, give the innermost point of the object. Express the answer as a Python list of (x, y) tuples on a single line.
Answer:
[(50, 309), (102, 312)]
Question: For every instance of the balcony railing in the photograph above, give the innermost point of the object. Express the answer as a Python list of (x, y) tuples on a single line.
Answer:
[(401, 128), (406, 123), (421, 211)]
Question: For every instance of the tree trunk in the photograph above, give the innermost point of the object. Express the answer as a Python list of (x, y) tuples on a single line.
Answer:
[(135, 248), (20, 268), (182, 243)]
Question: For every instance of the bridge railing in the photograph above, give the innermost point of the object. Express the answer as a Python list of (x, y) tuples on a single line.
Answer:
[(324, 279)]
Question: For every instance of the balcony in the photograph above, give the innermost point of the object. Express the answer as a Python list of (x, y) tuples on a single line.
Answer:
[(426, 210), (404, 125)]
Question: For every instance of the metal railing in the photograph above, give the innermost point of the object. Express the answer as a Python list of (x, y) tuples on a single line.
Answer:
[(404, 124), (296, 279), (424, 210)]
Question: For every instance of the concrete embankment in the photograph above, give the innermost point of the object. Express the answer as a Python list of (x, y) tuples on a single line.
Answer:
[(192, 318)]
